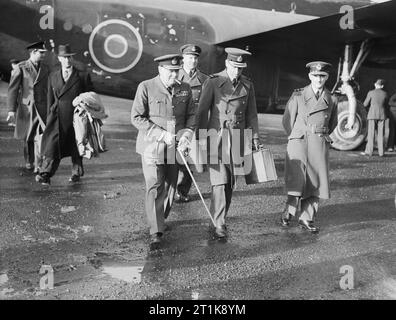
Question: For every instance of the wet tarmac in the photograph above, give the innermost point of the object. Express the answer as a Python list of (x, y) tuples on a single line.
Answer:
[(94, 233)]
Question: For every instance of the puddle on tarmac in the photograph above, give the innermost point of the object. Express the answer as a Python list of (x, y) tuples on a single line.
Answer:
[(128, 271)]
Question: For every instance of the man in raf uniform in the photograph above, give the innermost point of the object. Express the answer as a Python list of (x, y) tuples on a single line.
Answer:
[(27, 102), (227, 108), (162, 110), (377, 101), (310, 116), (195, 78)]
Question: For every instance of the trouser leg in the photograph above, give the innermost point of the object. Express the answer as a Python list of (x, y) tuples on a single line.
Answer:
[(184, 181), (49, 167), (77, 162), (380, 137), (391, 138), (370, 137), (292, 204), (309, 207), (154, 176), (220, 203), (170, 187), (77, 165), (28, 152)]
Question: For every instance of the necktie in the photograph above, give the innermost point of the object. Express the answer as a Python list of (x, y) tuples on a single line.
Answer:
[(317, 95), (234, 82), (191, 73), (169, 89), (66, 74)]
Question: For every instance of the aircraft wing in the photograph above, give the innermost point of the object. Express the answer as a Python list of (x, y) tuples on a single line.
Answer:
[(324, 38)]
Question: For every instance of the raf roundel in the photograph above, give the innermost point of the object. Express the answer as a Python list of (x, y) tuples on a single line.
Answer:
[(115, 46)]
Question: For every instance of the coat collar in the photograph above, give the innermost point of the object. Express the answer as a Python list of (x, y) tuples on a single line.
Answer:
[(314, 105), (65, 86), (227, 88), (195, 80), (161, 87)]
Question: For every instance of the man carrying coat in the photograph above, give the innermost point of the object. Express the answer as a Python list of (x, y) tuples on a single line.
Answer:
[(310, 116), (195, 78), (27, 102), (162, 111), (59, 139), (226, 114)]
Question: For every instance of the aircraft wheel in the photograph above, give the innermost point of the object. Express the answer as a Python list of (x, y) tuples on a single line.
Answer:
[(344, 139)]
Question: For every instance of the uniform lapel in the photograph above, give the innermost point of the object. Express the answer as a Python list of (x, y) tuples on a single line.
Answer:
[(70, 82), (182, 75), (162, 89), (314, 105), (225, 85), (240, 90)]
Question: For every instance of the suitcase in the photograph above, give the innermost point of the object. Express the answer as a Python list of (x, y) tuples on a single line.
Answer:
[(260, 167)]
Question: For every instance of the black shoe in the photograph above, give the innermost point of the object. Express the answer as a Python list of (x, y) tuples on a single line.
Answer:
[(155, 240), (74, 178), (43, 179), (308, 225), (181, 198), (221, 232)]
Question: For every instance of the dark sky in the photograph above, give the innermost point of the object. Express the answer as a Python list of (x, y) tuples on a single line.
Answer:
[(312, 7)]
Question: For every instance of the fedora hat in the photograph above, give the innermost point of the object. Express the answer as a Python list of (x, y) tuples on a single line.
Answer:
[(64, 50)]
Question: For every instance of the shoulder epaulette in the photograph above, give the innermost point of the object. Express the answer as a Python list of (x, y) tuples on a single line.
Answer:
[(298, 91)]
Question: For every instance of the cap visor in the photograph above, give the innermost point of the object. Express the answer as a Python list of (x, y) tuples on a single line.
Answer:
[(323, 73), (66, 54), (238, 64), (172, 67)]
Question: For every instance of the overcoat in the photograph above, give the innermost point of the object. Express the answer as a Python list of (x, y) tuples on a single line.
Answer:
[(59, 138), (27, 96), (156, 110), (308, 123), (224, 111)]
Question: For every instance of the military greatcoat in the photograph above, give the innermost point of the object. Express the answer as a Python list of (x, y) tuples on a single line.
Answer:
[(308, 123), (195, 81), (222, 109)]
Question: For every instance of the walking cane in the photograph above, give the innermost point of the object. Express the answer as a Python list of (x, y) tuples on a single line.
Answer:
[(195, 183)]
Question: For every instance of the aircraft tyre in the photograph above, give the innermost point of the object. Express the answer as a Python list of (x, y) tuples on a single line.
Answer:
[(344, 139)]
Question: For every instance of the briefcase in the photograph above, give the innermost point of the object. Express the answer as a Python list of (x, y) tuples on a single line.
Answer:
[(260, 167)]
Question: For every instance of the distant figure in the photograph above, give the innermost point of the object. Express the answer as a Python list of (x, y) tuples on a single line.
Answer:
[(195, 78), (59, 139), (27, 102), (392, 123), (162, 108), (377, 101), (310, 116)]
